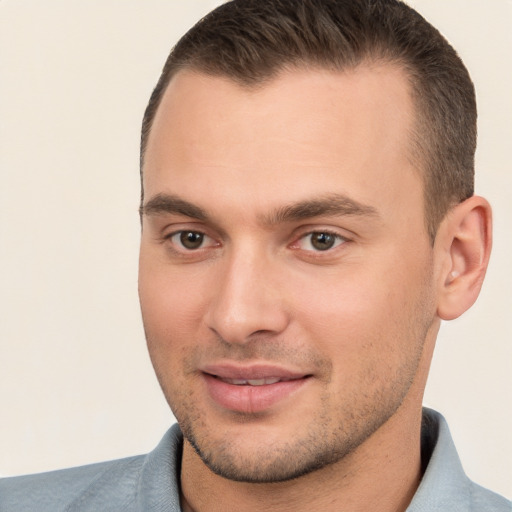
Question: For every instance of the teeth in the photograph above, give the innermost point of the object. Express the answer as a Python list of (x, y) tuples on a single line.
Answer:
[(252, 382), (261, 382)]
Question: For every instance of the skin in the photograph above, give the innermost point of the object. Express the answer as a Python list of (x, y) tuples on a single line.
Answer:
[(254, 175)]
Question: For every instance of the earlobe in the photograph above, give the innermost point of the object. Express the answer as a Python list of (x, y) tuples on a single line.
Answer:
[(464, 243)]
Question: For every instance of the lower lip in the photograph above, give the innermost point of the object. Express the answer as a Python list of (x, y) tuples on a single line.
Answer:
[(250, 399)]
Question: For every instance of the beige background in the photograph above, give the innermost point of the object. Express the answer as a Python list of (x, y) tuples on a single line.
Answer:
[(76, 385)]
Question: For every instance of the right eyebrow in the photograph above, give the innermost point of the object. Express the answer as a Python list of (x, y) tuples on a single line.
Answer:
[(168, 203)]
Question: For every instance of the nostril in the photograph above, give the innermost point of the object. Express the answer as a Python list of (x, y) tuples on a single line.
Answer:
[(261, 332)]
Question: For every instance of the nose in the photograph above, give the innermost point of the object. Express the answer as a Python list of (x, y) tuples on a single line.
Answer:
[(248, 298)]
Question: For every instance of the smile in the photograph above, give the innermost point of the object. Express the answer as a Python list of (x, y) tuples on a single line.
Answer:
[(253, 389)]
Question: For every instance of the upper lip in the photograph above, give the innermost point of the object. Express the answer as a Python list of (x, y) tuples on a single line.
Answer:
[(251, 372)]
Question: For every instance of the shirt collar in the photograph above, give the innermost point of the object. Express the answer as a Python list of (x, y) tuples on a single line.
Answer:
[(444, 485)]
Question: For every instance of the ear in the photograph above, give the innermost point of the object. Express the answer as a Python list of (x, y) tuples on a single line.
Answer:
[(464, 245)]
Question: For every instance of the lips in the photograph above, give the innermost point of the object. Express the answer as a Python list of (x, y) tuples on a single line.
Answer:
[(251, 389)]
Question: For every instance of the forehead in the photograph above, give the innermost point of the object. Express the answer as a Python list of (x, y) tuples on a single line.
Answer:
[(304, 131)]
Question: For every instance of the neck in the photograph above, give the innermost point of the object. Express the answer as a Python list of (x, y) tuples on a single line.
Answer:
[(381, 474)]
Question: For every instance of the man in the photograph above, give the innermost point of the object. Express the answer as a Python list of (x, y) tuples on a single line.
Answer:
[(308, 219)]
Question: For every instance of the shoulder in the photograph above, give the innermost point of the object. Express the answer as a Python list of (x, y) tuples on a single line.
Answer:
[(131, 484), (485, 500), (445, 486), (57, 490)]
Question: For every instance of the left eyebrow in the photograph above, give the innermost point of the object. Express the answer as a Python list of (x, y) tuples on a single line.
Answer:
[(331, 205), (168, 203)]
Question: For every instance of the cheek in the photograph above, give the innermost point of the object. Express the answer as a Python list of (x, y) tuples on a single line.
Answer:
[(342, 302), (358, 318), (171, 306)]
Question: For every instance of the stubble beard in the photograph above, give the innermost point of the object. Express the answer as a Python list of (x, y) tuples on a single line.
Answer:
[(287, 461), (324, 442)]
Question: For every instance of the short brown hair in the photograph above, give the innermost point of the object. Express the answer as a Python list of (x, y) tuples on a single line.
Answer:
[(251, 41)]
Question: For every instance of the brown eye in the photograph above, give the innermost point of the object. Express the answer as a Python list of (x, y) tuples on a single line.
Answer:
[(318, 241), (323, 241), (191, 239)]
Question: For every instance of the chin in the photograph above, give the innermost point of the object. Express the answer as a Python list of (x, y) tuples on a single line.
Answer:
[(267, 464), (261, 457)]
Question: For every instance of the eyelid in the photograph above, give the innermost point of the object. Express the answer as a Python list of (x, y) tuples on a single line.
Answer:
[(166, 223), (170, 229)]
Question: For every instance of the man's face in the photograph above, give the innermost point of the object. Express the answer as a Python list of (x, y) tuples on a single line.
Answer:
[(285, 270)]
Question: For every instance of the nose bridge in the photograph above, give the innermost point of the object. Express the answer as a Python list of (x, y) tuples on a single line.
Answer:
[(247, 298)]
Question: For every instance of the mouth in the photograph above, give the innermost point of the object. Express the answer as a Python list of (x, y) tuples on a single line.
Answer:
[(254, 382), (252, 389)]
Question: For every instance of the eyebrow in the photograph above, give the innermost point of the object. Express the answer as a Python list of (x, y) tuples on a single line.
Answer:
[(168, 203), (331, 204)]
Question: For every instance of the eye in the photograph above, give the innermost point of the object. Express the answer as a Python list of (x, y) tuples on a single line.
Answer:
[(320, 241), (190, 240)]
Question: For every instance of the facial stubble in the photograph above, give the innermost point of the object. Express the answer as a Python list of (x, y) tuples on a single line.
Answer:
[(324, 442)]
